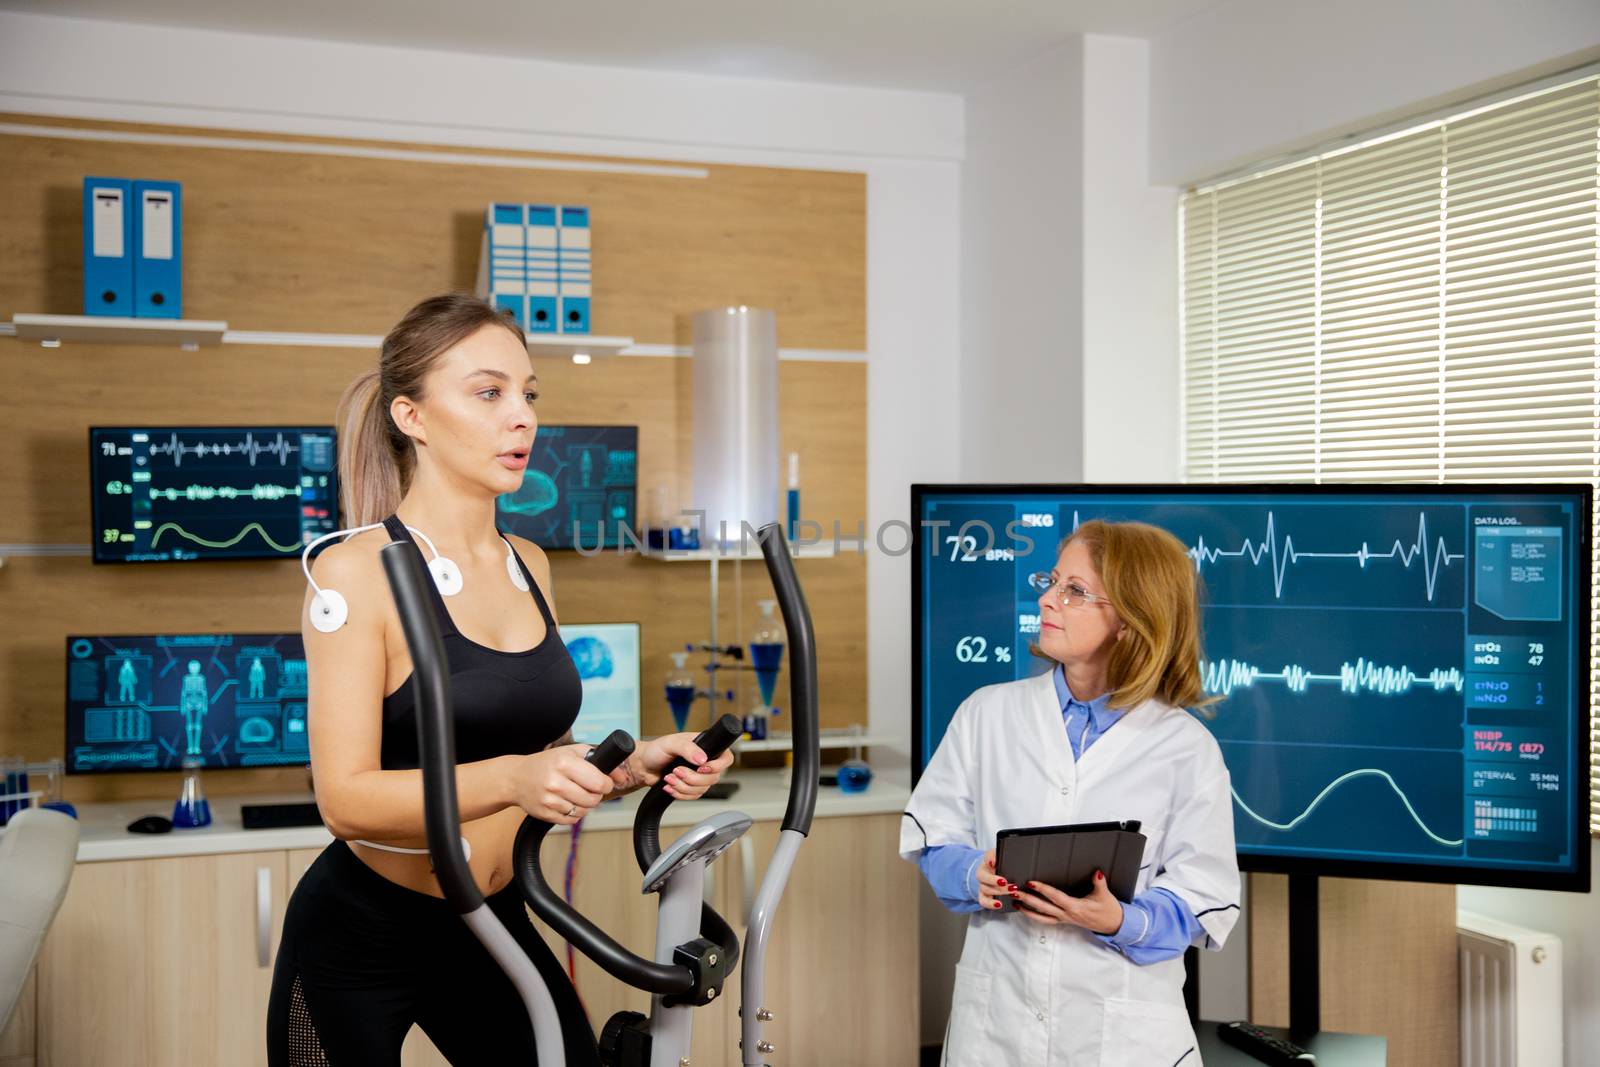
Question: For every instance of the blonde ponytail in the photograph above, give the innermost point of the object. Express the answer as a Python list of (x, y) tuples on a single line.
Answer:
[(376, 460), (372, 478)]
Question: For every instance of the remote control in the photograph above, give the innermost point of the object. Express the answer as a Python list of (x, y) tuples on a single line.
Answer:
[(1264, 1046)]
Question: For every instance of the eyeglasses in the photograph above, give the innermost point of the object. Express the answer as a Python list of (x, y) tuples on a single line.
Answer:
[(1069, 593)]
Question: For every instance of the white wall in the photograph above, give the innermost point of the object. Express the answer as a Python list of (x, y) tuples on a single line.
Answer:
[(1130, 276), (1253, 77), (908, 144), (107, 69), (1021, 240), (1575, 918)]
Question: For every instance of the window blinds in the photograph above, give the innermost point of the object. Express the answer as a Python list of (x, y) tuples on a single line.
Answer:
[(1422, 306)]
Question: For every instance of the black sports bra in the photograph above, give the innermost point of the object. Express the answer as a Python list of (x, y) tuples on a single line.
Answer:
[(504, 702)]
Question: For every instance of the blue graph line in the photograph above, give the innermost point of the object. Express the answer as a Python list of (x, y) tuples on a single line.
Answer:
[(1330, 787), (1226, 675)]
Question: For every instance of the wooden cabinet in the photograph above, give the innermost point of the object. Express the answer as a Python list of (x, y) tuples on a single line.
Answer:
[(161, 961), (842, 968), (17, 1040)]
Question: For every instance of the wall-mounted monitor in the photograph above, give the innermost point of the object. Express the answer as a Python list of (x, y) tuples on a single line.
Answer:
[(578, 478), (164, 493), (607, 657), (1404, 670), (150, 702)]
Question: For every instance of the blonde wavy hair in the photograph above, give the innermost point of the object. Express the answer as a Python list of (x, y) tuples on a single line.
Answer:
[(1155, 590)]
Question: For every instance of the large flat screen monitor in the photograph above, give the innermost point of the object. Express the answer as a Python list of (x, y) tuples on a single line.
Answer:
[(607, 657), (150, 702), (163, 493), (1403, 669), (580, 487)]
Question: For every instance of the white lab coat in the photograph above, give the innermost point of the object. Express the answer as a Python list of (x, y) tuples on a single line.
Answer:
[(1030, 995)]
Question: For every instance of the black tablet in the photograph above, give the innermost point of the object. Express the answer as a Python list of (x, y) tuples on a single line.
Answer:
[(1067, 857)]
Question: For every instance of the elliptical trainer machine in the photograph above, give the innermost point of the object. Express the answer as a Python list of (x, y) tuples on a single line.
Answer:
[(696, 949)]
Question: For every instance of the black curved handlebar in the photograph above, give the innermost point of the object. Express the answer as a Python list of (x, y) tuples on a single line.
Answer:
[(647, 822), (802, 679), (609, 754), (664, 978), (436, 736)]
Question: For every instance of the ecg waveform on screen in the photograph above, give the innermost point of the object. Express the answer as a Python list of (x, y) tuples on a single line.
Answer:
[(279, 447), (1283, 554), (227, 492), (155, 539), (1329, 788), (1225, 675)]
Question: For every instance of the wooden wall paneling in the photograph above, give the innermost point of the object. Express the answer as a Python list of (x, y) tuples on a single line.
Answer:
[(54, 395), (44, 498), (1388, 963), (296, 241)]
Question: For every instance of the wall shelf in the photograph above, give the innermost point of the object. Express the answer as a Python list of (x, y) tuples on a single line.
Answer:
[(830, 739), (51, 330), (576, 345), (750, 551)]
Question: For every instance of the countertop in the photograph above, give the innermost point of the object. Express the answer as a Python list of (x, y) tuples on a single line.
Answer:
[(762, 796)]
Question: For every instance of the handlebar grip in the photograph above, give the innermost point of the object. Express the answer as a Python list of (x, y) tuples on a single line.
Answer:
[(647, 820), (721, 735), (609, 754)]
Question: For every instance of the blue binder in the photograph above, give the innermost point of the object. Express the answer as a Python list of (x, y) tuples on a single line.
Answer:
[(158, 250), (506, 255), (543, 269), (575, 276), (107, 246)]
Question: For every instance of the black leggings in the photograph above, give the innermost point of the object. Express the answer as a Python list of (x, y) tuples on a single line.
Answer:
[(363, 958)]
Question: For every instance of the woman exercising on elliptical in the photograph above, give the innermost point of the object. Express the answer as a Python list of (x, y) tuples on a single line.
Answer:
[(428, 440)]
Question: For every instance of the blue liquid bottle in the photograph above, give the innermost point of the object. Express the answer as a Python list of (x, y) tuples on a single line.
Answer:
[(766, 650), (854, 773), (192, 810), (680, 690)]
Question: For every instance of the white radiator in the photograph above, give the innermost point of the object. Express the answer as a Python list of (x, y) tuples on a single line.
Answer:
[(1510, 994)]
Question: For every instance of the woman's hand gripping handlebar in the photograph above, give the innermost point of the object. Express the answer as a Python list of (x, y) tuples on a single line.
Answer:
[(647, 823), (647, 831), (663, 978)]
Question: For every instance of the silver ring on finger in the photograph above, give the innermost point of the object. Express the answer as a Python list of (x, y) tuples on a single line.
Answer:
[(572, 812)]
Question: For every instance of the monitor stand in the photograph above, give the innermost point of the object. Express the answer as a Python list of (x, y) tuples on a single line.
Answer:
[(1305, 997), (1305, 973)]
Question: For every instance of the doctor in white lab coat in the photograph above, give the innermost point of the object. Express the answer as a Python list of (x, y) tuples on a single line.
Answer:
[(1102, 736)]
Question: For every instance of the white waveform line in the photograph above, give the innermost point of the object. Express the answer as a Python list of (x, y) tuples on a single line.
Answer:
[(226, 492), (1282, 557), (1226, 675), (1330, 787), (281, 448)]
